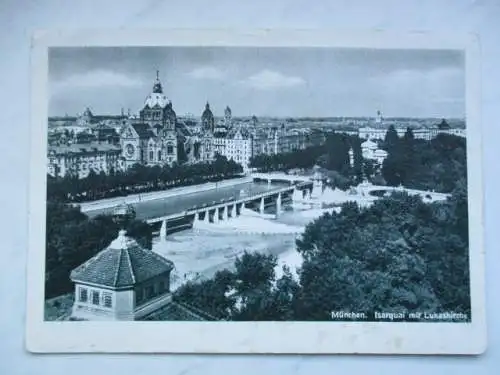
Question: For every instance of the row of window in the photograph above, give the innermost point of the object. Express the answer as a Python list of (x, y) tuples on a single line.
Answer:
[(96, 297), (170, 151), (156, 115), (151, 291)]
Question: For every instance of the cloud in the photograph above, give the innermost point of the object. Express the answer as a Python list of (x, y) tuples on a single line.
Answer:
[(438, 85), (206, 72), (96, 79), (270, 80)]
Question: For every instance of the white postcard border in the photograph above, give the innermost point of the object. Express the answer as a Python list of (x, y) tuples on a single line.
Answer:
[(251, 337)]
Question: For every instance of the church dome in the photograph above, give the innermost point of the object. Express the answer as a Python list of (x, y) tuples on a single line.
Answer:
[(207, 113), (157, 98), (87, 112)]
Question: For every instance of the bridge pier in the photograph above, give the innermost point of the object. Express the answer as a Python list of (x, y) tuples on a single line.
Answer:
[(163, 229), (261, 207), (224, 213), (207, 217), (297, 195), (233, 211), (307, 194), (278, 205), (216, 216)]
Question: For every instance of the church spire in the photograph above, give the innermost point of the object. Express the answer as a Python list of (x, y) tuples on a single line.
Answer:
[(157, 89)]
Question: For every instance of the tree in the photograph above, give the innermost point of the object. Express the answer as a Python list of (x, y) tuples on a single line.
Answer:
[(254, 270), (369, 169), (397, 255), (391, 139), (358, 167), (137, 179), (72, 238)]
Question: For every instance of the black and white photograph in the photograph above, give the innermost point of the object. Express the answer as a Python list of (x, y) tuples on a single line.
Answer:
[(234, 184)]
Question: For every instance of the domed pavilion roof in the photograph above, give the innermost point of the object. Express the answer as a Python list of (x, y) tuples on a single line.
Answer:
[(121, 265)]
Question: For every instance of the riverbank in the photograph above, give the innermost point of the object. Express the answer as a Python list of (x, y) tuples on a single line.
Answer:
[(199, 254), (174, 192)]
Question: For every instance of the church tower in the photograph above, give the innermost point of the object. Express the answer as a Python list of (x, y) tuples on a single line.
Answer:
[(207, 119), (227, 117), (378, 120)]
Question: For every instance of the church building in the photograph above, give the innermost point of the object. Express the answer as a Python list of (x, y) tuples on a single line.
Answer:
[(151, 139)]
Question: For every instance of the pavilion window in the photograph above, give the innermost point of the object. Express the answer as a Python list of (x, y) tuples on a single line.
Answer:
[(139, 296), (150, 291), (84, 295), (95, 297), (107, 299), (151, 155), (161, 287)]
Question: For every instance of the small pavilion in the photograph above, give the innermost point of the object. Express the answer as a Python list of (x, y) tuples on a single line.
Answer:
[(122, 282)]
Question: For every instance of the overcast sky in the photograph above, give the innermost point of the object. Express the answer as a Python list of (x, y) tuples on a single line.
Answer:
[(289, 82)]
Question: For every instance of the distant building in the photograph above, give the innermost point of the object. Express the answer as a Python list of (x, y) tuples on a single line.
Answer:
[(265, 141), (370, 151), (371, 133), (122, 282), (86, 118), (237, 146), (79, 160), (426, 133), (276, 140), (106, 134), (291, 140), (453, 131)]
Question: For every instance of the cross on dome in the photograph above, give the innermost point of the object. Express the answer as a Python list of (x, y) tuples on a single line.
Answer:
[(157, 89)]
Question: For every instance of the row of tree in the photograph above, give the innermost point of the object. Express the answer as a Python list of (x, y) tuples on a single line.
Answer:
[(301, 159), (399, 255), (139, 179), (429, 165), (333, 156), (72, 238)]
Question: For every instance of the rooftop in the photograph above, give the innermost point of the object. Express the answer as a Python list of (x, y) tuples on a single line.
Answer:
[(83, 148), (178, 312), (143, 130), (122, 264)]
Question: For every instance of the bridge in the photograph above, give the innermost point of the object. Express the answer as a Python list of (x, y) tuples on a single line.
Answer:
[(427, 196), (269, 202)]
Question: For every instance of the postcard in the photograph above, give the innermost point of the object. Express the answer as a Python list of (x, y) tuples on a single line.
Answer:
[(255, 191)]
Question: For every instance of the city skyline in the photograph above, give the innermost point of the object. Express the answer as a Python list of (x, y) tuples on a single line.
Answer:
[(271, 82)]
